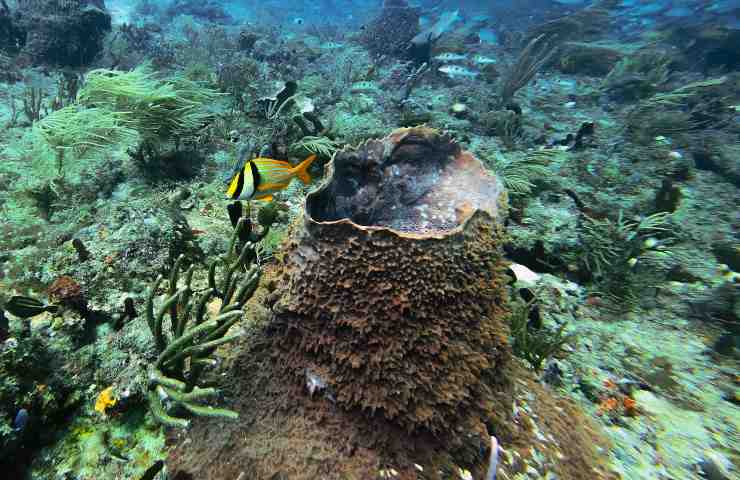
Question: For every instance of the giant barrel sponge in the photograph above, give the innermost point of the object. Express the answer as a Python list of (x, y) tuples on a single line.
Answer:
[(386, 345), (394, 289)]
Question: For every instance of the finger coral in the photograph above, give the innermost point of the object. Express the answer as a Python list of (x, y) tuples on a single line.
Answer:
[(186, 353)]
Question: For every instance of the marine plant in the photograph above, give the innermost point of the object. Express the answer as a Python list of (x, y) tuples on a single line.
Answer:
[(611, 241), (531, 60), (33, 103), (84, 131), (67, 86), (274, 108), (614, 252), (583, 24), (321, 146), (127, 108), (505, 124), (638, 75), (672, 113), (195, 333), (240, 79), (159, 109), (519, 171), (535, 345)]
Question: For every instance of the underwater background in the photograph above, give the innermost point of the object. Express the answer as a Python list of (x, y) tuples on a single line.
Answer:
[(364, 239)]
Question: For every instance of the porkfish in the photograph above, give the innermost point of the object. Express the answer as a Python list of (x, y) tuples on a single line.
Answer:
[(260, 178)]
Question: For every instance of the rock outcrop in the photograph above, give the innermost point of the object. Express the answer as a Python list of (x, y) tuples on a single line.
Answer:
[(66, 33)]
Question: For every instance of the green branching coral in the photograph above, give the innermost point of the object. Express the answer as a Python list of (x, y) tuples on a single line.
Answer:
[(194, 336)]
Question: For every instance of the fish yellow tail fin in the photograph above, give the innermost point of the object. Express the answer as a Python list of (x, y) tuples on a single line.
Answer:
[(301, 170)]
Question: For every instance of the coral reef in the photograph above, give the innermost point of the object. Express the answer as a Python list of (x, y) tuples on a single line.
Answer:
[(209, 10), (397, 357), (413, 362), (386, 214), (193, 340), (588, 58), (372, 328)]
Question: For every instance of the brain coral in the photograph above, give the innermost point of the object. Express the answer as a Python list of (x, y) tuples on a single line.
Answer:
[(393, 289)]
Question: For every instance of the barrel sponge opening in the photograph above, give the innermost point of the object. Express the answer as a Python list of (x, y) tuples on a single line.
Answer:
[(416, 180)]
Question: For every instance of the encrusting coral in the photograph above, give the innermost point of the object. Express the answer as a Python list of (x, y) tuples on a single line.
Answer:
[(105, 400)]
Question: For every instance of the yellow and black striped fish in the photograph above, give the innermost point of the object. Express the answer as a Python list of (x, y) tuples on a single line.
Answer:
[(260, 178)]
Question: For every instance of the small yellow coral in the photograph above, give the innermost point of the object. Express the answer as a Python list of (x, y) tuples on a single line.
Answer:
[(105, 400)]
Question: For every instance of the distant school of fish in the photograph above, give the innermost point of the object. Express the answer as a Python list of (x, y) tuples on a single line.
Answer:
[(459, 71)]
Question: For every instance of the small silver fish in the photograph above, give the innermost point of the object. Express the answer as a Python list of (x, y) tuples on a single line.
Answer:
[(482, 60), (450, 57), (442, 25), (456, 71), (314, 383), (332, 46), (363, 87)]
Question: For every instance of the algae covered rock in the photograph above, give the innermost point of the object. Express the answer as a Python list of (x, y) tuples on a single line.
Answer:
[(588, 58), (65, 33), (393, 29)]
